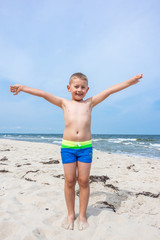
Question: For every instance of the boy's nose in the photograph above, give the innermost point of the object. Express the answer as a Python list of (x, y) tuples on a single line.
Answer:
[(79, 89)]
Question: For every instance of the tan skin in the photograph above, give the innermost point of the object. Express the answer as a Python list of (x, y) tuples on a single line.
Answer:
[(77, 118)]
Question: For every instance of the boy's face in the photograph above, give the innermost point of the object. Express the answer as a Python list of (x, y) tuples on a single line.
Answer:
[(78, 89)]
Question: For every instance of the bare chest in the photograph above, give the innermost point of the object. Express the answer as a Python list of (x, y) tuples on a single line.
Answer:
[(77, 108), (77, 111)]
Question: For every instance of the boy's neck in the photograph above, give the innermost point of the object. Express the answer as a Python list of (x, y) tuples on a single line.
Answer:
[(77, 100)]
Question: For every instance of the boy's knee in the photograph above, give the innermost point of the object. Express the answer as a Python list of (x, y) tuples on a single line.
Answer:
[(70, 181), (83, 182)]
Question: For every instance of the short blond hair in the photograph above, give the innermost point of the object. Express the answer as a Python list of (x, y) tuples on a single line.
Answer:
[(78, 75)]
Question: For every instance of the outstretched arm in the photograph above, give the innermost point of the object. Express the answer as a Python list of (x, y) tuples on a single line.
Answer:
[(116, 88), (37, 92)]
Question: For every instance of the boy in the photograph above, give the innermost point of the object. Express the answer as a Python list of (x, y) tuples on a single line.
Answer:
[(76, 149)]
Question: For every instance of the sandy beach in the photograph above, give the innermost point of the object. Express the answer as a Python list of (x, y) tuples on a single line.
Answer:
[(124, 197)]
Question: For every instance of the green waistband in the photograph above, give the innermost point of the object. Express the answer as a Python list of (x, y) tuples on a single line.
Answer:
[(76, 145)]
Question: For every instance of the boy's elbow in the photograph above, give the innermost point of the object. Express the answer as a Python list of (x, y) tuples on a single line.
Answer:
[(43, 95), (108, 92)]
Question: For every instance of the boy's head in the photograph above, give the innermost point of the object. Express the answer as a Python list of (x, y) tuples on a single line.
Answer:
[(78, 86)]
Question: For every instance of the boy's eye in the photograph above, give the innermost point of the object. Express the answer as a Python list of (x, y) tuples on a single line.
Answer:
[(82, 87)]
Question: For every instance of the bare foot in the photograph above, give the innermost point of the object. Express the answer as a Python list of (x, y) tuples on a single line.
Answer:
[(82, 224), (68, 223)]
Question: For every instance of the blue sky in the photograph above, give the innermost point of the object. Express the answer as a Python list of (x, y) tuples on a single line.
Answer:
[(43, 42)]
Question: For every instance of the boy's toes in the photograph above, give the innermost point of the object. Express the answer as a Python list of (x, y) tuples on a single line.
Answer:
[(71, 226), (82, 225), (67, 225)]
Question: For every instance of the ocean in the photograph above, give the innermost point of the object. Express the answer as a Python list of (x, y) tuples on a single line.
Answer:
[(133, 145)]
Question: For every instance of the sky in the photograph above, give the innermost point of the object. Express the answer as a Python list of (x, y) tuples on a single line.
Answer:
[(43, 42)]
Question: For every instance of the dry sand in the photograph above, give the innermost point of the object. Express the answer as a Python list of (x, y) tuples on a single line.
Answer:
[(124, 200)]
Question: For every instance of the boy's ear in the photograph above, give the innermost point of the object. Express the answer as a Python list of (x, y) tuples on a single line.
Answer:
[(68, 87)]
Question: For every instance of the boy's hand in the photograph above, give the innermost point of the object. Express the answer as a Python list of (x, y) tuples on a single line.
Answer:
[(16, 89), (135, 79)]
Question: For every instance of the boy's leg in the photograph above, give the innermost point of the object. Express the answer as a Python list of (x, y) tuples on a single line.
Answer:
[(83, 180), (69, 190)]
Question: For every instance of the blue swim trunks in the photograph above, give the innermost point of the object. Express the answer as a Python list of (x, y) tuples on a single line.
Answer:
[(76, 151)]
